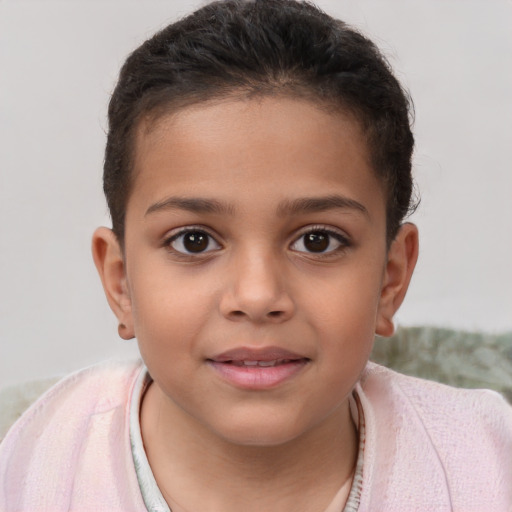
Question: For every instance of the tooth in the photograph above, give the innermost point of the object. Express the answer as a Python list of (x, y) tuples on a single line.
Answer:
[(267, 363), (250, 363)]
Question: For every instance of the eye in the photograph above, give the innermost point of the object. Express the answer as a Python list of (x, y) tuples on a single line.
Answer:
[(192, 241), (320, 240)]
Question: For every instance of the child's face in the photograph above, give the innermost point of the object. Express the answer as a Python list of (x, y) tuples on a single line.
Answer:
[(255, 232)]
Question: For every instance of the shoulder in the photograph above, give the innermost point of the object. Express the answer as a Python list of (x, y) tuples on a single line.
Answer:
[(452, 445), (59, 445), (439, 405), (84, 392)]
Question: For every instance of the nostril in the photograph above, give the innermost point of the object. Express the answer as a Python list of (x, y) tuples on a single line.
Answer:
[(240, 314)]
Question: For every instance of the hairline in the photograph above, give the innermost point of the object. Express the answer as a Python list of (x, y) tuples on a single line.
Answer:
[(162, 104)]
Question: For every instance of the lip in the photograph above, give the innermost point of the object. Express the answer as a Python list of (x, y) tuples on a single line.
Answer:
[(255, 354), (278, 366)]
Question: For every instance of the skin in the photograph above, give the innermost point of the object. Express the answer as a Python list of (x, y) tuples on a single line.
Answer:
[(290, 446)]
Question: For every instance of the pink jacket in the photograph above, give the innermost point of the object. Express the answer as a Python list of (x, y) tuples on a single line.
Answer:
[(429, 447)]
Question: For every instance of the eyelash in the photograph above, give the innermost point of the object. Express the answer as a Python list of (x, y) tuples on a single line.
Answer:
[(188, 230), (343, 241)]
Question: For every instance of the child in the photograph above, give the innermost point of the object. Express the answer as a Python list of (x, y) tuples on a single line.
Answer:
[(258, 172)]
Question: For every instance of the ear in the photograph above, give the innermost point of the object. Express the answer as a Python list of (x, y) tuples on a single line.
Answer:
[(109, 261), (402, 257)]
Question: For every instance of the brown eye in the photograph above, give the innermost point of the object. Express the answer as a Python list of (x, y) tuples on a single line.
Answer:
[(193, 242), (316, 242), (320, 241)]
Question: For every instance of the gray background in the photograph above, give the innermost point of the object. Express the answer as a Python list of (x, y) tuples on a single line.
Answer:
[(58, 64)]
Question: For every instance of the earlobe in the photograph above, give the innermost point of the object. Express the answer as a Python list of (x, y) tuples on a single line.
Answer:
[(109, 261), (402, 257)]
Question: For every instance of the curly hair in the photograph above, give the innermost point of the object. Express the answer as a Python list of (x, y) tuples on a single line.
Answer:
[(262, 47)]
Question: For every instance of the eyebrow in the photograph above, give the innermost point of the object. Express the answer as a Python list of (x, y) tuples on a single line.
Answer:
[(287, 207), (191, 204), (320, 204)]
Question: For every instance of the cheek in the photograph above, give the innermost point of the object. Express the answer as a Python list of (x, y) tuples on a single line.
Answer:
[(347, 298), (344, 313), (168, 312)]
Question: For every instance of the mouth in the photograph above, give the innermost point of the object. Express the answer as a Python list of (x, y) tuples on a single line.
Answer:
[(260, 363), (258, 369)]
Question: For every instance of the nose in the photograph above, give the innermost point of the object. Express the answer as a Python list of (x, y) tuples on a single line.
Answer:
[(256, 291)]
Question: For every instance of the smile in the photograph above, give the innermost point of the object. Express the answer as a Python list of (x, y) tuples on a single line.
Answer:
[(264, 364), (257, 369)]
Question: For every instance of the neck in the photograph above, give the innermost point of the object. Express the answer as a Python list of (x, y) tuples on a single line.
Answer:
[(301, 474)]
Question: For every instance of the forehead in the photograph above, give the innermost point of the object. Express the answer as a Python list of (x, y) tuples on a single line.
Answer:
[(245, 151)]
